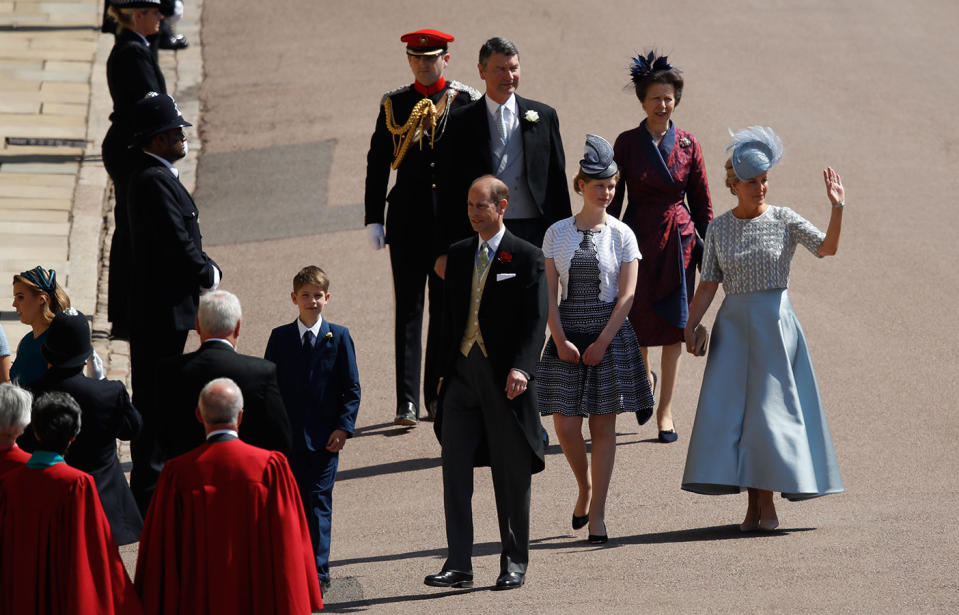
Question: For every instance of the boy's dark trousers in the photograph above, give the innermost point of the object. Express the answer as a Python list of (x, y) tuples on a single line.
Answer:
[(315, 473)]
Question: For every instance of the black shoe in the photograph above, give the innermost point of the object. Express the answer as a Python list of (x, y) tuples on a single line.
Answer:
[(175, 42), (431, 408), (579, 522), (325, 585), (405, 414), (668, 436), (450, 578), (597, 539), (510, 580), (643, 416)]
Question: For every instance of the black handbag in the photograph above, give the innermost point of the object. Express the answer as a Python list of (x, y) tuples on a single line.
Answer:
[(581, 339)]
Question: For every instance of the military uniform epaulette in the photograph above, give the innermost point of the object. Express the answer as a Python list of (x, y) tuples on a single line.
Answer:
[(396, 91), (473, 93)]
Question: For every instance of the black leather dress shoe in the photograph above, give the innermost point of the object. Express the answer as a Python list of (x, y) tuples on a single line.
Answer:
[(450, 578), (406, 414), (177, 41), (510, 580)]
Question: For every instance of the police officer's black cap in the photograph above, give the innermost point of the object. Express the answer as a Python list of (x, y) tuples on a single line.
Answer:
[(136, 4), (153, 114)]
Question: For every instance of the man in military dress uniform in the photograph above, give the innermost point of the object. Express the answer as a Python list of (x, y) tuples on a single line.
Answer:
[(410, 125)]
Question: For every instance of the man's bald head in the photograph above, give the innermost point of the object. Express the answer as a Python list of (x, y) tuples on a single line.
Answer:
[(220, 405)]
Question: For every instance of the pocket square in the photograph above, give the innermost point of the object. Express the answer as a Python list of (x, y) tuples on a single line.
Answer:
[(504, 276)]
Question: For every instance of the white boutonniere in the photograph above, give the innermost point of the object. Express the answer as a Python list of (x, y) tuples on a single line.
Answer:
[(531, 116), (328, 337), (685, 142)]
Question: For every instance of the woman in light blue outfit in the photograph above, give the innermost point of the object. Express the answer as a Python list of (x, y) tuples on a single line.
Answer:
[(760, 424)]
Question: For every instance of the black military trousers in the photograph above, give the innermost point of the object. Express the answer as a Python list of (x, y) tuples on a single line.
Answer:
[(412, 274), (147, 349)]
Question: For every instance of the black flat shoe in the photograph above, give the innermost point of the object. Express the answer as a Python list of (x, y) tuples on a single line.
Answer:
[(450, 578), (597, 539), (668, 436), (579, 522), (510, 580)]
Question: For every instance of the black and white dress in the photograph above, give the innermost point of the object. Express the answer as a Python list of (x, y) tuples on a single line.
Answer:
[(588, 263)]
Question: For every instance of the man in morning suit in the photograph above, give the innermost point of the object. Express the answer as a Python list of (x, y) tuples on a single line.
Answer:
[(169, 268), (181, 378), (409, 131), (513, 138), (225, 533), (108, 416), (493, 332)]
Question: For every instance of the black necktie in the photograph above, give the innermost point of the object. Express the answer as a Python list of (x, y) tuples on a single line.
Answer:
[(308, 338)]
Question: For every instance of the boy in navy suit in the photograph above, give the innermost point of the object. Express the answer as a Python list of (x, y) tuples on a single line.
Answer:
[(316, 369)]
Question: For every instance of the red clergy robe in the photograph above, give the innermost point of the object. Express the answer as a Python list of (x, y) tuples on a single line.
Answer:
[(225, 533), (56, 551), (12, 458)]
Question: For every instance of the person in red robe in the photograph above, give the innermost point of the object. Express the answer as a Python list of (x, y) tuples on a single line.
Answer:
[(225, 531), (56, 550), (14, 418)]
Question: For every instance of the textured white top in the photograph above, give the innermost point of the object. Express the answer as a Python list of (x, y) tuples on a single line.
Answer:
[(615, 243), (755, 254)]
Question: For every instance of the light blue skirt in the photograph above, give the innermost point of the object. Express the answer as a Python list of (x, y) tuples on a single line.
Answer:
[(760, 421)]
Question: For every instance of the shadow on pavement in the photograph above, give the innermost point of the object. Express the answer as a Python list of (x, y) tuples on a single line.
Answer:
[(479, 550), (715, 532), (362, 605), (393, 467)]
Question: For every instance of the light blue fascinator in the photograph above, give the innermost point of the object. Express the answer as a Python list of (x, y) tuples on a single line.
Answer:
[(597, 161), (755, 150)]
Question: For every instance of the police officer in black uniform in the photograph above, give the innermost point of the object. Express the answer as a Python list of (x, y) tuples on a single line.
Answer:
[(169, 270), (409, 130)]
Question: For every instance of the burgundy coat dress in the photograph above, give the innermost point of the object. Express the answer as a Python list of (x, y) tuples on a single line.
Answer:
[(660, 181)]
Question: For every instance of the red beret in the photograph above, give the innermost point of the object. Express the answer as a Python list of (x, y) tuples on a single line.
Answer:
[(426, 42)]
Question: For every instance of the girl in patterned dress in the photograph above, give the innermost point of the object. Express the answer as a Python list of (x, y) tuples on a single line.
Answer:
[(760, 424), (592, 366)]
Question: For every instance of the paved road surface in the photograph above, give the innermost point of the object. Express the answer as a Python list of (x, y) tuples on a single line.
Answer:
[(289, 101)]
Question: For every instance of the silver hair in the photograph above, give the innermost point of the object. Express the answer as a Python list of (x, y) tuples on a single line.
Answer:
[(218, 313), (15, 406), (220, 402)]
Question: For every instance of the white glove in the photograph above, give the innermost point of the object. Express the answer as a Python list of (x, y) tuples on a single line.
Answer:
[(377, 235), (94, 367)]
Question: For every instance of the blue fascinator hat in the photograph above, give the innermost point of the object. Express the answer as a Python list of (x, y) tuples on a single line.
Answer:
[(755, 150), (597, 162)]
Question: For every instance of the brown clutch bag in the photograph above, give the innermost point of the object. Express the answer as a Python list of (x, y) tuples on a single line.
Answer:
[(700, 340)]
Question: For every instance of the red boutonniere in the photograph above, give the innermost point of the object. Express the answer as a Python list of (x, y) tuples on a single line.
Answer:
[(505, 257)]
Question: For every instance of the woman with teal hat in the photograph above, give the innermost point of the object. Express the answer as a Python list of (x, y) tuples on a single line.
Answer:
[(37, 298), (760, 424)]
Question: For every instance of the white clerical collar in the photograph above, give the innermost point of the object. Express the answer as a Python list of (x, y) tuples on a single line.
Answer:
[(315, 328), (492, 106), (166, 163), (492, 242), (217, 432)]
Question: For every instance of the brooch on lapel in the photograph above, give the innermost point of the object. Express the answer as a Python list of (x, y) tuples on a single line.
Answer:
[(685, 142), (328, 337), (505, 257), (531, 116)]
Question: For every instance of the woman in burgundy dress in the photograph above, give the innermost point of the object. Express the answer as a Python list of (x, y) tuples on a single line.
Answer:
[(665, 179)]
